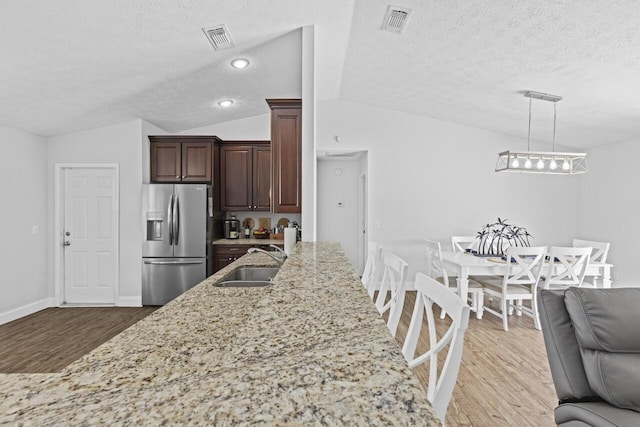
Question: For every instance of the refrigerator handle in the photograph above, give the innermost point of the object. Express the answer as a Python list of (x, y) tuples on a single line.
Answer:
[(174, 262), (176, 220), (170, 219)]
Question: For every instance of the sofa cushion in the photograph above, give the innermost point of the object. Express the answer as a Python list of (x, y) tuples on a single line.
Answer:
[(607, 328), (595, 414), (563, 350)]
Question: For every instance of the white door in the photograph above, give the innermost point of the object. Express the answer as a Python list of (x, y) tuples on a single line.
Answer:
[(90, 235)]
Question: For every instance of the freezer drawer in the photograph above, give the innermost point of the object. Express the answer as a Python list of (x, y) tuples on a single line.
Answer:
[(163, 279)]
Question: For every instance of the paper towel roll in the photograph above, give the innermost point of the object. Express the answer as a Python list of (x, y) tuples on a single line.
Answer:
[(289, 239)]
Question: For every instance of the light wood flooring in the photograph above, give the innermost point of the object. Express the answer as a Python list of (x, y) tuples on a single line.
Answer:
[(504, 377), (53, 338)]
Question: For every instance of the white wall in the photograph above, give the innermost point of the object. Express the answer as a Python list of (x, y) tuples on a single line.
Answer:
[(23, 255), (120, 144), (250, 128), (609, 206), (429, 178)]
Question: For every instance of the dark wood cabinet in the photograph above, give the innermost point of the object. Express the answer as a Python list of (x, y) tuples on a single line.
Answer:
[(245, 176), (286, 154), (224, 255), (182, 158)]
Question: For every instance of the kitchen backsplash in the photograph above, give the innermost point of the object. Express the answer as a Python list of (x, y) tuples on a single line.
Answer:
[(255, 216)]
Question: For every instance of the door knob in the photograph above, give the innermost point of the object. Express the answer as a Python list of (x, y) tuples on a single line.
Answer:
[(66, 243)]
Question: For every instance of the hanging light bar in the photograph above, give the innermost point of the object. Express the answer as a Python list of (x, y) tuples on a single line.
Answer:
[(542, 161)]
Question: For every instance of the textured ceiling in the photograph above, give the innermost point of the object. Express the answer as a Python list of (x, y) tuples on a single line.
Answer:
[(69, 65)]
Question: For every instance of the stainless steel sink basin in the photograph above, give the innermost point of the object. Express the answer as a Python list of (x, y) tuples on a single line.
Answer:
[(249, 277), (252, 273), (244, 283)]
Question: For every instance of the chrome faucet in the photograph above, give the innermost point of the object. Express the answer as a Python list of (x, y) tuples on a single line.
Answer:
[(280, 260)]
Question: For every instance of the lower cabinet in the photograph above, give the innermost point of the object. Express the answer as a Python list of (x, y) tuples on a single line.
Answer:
[(224, 255)]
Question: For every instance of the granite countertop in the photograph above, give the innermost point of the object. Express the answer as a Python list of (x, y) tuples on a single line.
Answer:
[(310, 349), (251, 241)]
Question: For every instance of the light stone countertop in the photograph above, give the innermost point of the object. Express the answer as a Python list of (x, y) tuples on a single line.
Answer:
[(310, 349)]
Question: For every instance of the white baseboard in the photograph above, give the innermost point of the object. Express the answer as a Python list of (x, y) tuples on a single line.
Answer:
[(26, 310), (129, 301)]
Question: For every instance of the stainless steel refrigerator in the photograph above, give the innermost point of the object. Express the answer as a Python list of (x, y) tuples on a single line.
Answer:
[(176, 241)]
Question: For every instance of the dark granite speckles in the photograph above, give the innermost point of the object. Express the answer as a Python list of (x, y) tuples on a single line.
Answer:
[(308, 350)]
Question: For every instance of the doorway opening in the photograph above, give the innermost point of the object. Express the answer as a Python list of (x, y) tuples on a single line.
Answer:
[(86, 234), (342, 202)]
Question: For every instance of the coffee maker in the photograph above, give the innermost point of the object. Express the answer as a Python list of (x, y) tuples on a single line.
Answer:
[(232, 228)]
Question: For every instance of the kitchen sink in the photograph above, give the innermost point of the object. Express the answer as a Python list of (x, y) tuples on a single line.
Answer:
[(244, 283), (249, 277), (252, 273)]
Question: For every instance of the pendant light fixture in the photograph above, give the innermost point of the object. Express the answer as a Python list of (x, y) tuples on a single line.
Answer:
[(542, 161)]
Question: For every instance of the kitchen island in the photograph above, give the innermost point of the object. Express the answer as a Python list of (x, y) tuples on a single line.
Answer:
[(310, 349)]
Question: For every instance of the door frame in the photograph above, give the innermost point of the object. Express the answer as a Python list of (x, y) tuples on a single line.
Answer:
[(58, 237), (363, 238)]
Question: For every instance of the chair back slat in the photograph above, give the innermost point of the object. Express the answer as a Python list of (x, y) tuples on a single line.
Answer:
[(460, 243), (435, 267), (392, 289), (599, 250), (567, 266), (373, 268), (429, 292)]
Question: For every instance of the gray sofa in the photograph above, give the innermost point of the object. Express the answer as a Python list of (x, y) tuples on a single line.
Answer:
[(592, 338)]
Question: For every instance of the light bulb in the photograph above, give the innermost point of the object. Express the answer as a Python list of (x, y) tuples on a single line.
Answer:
[(553, 165), (240, 63), (527, 164), (540, 164), (515, 163), (565, 165), (225, 103)]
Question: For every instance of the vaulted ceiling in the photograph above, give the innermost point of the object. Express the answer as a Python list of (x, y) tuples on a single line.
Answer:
[(68, 65)]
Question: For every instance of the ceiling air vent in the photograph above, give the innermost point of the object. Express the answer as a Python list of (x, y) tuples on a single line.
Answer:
[(395, 19), (219, 37)]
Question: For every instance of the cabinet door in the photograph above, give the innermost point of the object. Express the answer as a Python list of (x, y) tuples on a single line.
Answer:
[(262, 178), (221, 261), (196, 162), (286, 146), (165, 162), (235, 178)]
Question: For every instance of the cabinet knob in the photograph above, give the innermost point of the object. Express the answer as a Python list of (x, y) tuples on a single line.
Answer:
[(177, 176), (184, 176), (255, 207)]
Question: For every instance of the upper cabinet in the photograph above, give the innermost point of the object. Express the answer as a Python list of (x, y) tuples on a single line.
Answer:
[(182, 158), (245, 176), (286, 154)]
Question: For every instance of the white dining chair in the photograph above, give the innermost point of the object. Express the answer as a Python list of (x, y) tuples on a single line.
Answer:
[(391, 295), (599, 253), (523, 268), (430, 292), (436, 270), (566, 267), (373, 268), (461, 243)]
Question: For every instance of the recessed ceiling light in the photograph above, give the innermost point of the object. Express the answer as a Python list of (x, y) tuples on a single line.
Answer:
[(240, 63), (225, 103)]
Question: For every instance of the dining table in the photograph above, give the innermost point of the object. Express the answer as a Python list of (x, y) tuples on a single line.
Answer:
[(465, 264)]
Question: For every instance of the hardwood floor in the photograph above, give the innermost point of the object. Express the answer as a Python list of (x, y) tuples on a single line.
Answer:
[(504, 377), (51, 339)]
